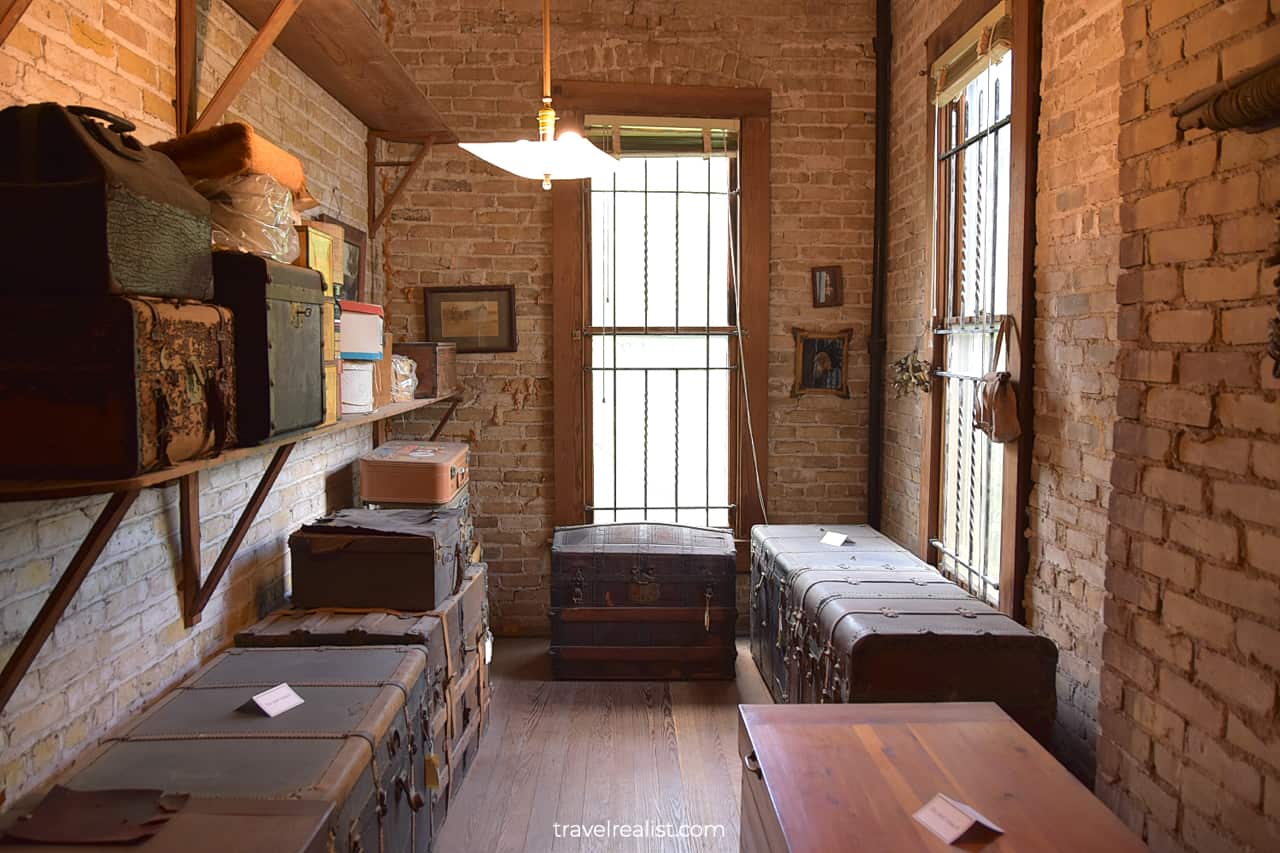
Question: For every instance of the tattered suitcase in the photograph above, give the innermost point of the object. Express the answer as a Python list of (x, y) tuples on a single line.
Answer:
[(94, 211), (351, 743), (642, 601), (457, 667), (868, 622), (114, 388), (400, 559), (279, 343)]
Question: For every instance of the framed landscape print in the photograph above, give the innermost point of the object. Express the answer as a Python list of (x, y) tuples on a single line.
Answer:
[(353, 279), (477, 319), (822, 362)]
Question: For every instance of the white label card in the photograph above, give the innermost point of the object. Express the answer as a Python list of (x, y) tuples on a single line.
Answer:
[(833, 538), (952, 820), (275, 701)]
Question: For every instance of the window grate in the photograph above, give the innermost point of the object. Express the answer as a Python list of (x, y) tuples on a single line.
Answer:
[(659, 332)]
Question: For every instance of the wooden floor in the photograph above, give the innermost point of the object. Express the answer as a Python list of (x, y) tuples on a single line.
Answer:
[(563, 752)]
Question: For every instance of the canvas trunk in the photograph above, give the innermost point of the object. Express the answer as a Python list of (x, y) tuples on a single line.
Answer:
[(642, 601), (115, 388), (279, 343), (352, 742), (868, 622)]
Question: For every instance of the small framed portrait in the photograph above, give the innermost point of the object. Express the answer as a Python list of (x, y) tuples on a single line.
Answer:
[(353, 278), (822, 362), (828, 287), (477, 319)]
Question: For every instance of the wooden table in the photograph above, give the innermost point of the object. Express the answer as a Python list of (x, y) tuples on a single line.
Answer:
[(819, 778)]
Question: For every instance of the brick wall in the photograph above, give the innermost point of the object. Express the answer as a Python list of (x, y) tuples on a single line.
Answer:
[(1190, 748), (121, 642), (466, 223), (1077, 234)]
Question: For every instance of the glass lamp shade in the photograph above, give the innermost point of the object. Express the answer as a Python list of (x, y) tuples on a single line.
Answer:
[(568, 157)]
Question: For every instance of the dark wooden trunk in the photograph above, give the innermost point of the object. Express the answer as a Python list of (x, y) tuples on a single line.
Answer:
[(350, 743), (642, 601), (279, 343), (399, 559), (869, 622)]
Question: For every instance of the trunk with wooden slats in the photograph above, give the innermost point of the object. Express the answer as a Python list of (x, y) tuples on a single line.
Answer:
[(642, 601)]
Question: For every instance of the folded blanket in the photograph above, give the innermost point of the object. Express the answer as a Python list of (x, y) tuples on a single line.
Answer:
[(233, 149)]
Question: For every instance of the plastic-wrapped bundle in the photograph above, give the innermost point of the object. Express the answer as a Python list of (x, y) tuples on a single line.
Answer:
[(252, 213), (404, 379)]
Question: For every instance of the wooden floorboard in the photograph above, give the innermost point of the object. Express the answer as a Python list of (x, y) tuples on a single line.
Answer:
[(566, 752)]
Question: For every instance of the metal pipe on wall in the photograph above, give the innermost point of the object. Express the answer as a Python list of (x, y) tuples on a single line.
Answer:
[(883, 45)]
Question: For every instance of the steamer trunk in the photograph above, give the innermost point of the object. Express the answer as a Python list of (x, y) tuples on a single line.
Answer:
[(642, 601), (351, 743), (869, 622)]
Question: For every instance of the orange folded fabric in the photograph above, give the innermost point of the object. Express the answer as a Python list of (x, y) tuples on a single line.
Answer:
[(233, 149)]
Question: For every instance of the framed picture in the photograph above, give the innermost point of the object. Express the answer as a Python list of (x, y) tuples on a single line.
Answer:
[(353, 278), (477, 319), (828, 287), (822, 362)]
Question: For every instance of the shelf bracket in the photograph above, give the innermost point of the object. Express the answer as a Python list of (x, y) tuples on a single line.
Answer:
[(453, 407), (262, 42), (378, 218), (10, 12), (63, 591), (195, 595)]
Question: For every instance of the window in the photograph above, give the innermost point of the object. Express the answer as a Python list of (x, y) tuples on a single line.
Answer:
[(660, 308), (974, 517), (661, 359)]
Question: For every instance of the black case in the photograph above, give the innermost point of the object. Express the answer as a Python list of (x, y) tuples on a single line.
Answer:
[(90, 211), (279, 343)]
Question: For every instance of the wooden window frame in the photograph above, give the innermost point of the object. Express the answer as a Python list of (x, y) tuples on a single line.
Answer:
[(571, 266), (1014, 552)]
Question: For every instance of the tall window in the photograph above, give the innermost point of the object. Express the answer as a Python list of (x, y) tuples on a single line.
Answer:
[(661, 359), (974, 527)]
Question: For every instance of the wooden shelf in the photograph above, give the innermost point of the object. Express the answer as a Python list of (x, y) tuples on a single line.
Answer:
[(333, 43), (36, 490)]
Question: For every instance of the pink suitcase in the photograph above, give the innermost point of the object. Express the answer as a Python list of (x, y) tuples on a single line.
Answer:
[(414, 472)]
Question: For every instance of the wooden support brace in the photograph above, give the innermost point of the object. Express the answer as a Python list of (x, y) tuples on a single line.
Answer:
[(453, 407), (247, 64), (184, 104), (397, 190), (189, 515), (229, 548), (63, 591), (10, 12)]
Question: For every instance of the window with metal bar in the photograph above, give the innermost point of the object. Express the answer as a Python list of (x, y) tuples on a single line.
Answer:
[(662, 353), (972, 153)]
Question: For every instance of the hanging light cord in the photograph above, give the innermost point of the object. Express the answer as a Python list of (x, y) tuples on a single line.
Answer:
[(742, 369)]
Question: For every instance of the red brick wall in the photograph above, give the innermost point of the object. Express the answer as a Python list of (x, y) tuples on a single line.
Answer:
[(1077, 235), (1190, 748), (465, 223)]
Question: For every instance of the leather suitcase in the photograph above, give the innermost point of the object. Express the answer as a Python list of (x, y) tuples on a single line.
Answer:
[(457, 666), (437, 366), (414, 472), (216, 826), (351, 743), (861, 623), (642, 601), (95, 211), (401, 559), (279, 340), (116, 388)]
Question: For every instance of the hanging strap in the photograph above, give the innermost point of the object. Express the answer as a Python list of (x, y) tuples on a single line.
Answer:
[(1001, 343)]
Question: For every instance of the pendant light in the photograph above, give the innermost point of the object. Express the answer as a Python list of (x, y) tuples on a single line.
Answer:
[(568, 157)]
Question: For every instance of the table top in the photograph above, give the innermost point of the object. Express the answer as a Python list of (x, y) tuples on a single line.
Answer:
[(842, 775)]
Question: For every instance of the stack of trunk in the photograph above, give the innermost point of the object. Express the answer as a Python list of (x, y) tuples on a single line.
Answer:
[(867, 621)]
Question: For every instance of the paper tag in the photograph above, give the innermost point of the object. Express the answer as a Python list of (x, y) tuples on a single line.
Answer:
[(951, 820), (273, 702), (488, 648), (833, 538), (432, 769)]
